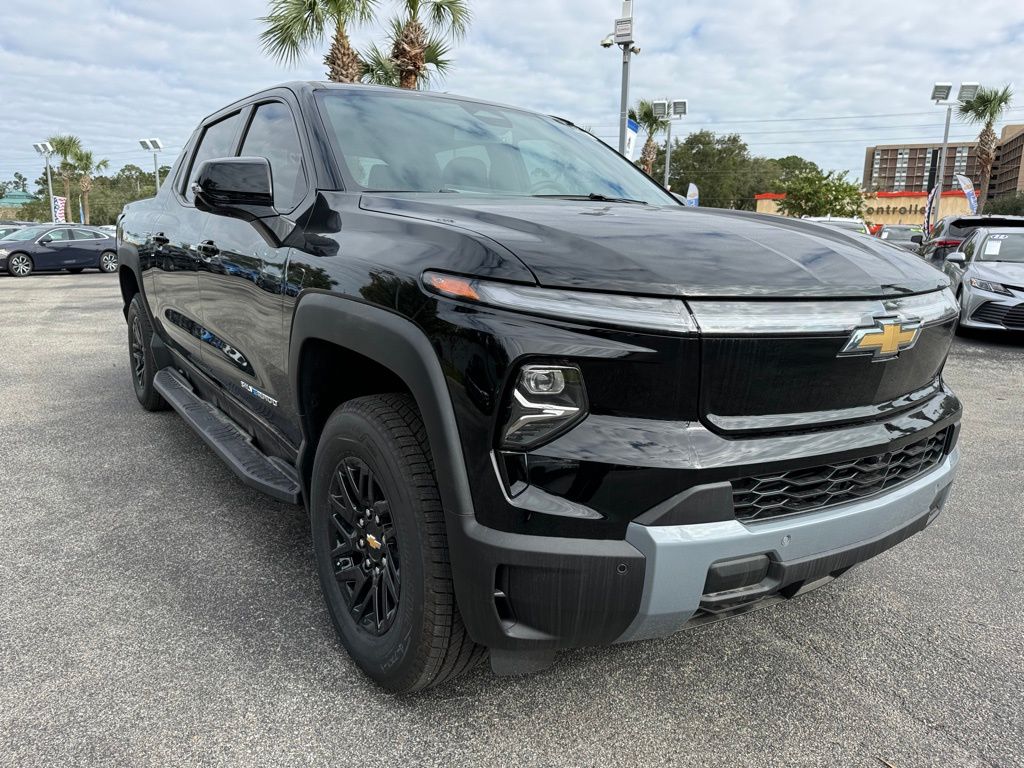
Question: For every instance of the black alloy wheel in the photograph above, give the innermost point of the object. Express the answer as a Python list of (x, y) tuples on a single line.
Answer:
[(138, 350), (140, 356), (364, 547)]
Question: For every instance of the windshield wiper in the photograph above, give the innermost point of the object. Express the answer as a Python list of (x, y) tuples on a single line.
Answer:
[(595, 196)]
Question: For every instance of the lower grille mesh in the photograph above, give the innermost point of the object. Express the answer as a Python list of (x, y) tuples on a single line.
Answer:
[(1000, 314), (804, 490)]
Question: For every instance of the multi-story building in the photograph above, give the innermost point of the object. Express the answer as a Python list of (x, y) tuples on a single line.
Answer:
[(914, 167), (1008, 170)]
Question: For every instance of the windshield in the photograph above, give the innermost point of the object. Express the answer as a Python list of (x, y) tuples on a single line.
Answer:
[(29, 233), (1003, 248), (901, 234), (407, 143)]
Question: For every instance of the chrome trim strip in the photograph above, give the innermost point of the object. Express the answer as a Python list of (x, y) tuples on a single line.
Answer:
[(742, 318), (785, 421)]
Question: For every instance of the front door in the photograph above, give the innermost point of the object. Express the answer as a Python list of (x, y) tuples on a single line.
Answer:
[(54, 250), (241, 276)]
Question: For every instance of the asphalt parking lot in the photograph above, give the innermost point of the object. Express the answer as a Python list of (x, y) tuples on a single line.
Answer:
[(153, 611)]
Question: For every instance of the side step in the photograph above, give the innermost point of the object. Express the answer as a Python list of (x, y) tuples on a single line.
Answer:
[(268, 474)]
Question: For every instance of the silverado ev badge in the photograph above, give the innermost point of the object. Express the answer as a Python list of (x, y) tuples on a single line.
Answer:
[(884, 340)]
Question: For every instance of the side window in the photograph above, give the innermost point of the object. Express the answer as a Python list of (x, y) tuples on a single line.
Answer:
[(272, 134), (59, 234), (218, 141), (86, 234), (968, 247)]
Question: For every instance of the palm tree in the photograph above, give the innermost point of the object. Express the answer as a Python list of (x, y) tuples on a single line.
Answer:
[(643, 114), (985, 109), (419, 38), (66, 147), (87, 166), (293, 25)]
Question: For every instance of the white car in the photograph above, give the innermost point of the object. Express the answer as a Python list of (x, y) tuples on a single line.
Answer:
[(849, 224)]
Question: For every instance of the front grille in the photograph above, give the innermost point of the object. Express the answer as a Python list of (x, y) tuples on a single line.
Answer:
[(805, 490), (1000, 314)]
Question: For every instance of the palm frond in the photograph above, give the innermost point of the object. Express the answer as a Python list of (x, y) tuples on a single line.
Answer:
[(379, 68), (449, 17), (987, 106), (65, 146), (436, 57), (292, 25)]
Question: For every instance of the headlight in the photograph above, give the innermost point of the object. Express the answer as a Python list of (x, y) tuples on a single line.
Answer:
[(985, 285), (546, 400), (638, 312)]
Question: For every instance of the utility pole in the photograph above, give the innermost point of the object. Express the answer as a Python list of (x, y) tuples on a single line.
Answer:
[(45, 149), (669, 110), (623, 37), (940, 95)]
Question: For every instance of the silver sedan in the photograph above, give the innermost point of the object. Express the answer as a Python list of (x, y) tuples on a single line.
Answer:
[(987, 271)]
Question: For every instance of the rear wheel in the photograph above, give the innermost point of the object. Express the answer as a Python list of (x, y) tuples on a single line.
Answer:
[(140, 357), (19, 265), (108, 262), (381, 549)]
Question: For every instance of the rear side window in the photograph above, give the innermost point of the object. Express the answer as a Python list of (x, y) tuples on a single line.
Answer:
[(218, 141), (88, 234), (272, 134), (955, 231)]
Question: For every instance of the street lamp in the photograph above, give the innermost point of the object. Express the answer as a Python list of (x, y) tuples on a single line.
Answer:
[(940, 95), (669, 110), (623, 37), (154, 146), (45, 149)]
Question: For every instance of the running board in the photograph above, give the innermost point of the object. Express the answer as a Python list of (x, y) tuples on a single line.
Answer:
[(271, 475)]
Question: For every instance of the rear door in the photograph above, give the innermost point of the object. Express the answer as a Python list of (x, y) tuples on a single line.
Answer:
[(174, 297), (87, 246), (242, 273), (54, 250)]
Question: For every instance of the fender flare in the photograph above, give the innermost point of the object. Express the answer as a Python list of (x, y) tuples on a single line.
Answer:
[(398, 344)]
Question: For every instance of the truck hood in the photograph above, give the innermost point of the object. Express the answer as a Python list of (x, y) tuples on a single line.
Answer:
[(673, 250)]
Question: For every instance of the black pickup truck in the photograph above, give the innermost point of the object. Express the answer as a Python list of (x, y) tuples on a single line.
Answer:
[(529, 400)]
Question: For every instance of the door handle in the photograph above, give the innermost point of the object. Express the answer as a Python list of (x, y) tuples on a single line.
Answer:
[(208, 251)]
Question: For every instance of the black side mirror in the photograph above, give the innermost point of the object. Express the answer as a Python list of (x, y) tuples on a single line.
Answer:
[(956, 257), (239, 187), (918, 239), (45, 240)]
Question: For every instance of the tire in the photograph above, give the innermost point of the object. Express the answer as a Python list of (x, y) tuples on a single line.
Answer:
[(140, 357), (373, 455), (19, 265), (75, 270), (108, 262), (959, 329)]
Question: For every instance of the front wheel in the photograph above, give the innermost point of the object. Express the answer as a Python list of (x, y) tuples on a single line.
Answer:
[(20, 265), (960, 330), (108, 262), (380, 546)]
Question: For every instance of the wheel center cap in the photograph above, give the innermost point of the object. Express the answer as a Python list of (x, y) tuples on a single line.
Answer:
[(372, 541)]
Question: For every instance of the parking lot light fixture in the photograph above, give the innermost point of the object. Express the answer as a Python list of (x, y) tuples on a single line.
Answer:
[(45, 149), (670, 110), (940, 95), (154, 146), (623, 37)]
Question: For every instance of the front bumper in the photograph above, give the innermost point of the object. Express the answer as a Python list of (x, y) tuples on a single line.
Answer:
[(991, 311), (801, 550)]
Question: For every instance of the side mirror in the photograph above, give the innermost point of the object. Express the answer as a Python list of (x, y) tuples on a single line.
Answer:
[(917, 239), (239, 187), (46, 240), (956, 257)]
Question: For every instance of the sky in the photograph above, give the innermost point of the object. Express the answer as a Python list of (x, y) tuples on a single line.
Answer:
[(819, 79)]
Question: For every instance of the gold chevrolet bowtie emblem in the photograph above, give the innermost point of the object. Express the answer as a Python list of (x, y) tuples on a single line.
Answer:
[(372, 541), (884, 340)]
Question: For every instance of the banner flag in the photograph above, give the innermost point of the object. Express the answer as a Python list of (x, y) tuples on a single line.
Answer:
[(59, 206), (692, 196), (632, 129), (928, 209), (969, 193)]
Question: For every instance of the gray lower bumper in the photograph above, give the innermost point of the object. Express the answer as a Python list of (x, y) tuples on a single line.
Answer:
[(678, 557)]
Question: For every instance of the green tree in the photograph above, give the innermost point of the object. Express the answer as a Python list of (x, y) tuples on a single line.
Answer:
[(814, 193), (1007, 205), (291, 26), (985, 109), (87, 167), (643, 113), (419, 36), (66, 146)]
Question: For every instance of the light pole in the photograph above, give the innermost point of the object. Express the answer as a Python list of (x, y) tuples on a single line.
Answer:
[(45, 149), (669, 110), (940, 95), (154, 146), (623, 37)]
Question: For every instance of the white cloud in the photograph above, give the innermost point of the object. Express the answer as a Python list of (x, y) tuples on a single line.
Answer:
[(113, 72)]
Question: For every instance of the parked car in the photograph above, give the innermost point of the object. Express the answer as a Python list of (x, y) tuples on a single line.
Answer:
[(839, 222), (529, 400), (987, 272), (950, 231), (52, 247), (7, 229), (903, 235)]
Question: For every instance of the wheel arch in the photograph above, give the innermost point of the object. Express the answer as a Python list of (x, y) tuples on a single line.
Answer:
[(399, 355)]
